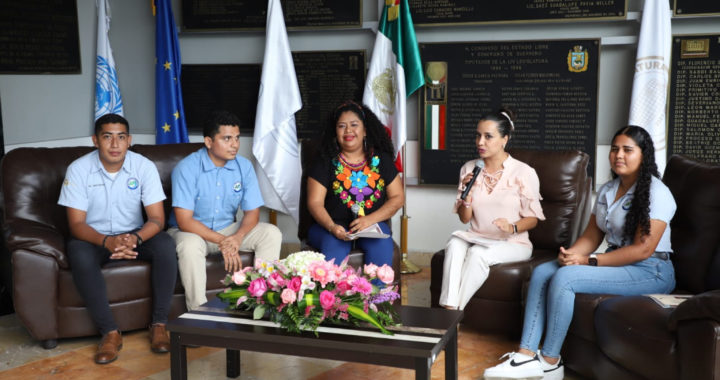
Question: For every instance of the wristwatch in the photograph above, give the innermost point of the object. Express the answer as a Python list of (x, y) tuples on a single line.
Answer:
[(592, 260)]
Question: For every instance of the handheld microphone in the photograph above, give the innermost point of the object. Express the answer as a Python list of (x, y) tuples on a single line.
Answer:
[(479, 165)]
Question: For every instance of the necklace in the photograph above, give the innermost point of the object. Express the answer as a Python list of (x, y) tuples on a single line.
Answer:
[(357, 166)]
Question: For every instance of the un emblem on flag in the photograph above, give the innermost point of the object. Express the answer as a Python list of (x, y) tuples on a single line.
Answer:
[(107, 92), (577, 59)]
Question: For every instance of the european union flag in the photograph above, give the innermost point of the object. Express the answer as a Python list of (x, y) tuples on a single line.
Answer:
[(170, 124)]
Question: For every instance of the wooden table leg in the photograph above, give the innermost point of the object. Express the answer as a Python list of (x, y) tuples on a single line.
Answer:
[(178, 358), (451, 356), (233, 363), (422, 368)]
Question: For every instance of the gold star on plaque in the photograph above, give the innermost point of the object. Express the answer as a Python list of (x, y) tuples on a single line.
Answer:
[(177, 115), (166, 127), (167, 65)]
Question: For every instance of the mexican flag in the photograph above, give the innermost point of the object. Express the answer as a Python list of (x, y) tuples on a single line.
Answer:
[(395, 71)]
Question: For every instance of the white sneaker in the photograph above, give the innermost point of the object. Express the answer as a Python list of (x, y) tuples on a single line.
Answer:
[(518, 366), (552, 371)]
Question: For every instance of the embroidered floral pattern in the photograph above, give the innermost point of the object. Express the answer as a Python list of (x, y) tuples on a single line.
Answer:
[(362, 187)]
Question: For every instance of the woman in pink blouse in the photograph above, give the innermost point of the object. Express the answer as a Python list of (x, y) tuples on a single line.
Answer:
[(502, 206)]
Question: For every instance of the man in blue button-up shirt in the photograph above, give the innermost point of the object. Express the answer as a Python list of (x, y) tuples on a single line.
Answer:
[(208, 188), (104, 192)]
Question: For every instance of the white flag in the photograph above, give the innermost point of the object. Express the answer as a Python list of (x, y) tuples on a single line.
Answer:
[(650, 85), (275, 144), (107, 91)]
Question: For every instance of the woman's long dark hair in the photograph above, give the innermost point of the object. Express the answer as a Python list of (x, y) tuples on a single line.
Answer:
[(376, 139), (639, 213)]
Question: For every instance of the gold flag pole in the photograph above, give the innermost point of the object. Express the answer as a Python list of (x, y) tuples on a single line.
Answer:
[(406, 266)]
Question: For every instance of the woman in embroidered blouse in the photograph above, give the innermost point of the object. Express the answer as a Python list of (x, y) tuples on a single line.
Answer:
[(352, 185), (503, 204), (633, 212)]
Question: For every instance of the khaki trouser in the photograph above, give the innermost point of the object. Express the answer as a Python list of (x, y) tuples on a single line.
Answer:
[(265, 239)]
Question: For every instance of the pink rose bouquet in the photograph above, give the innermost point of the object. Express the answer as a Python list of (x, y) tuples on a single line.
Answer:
[(303, 291)]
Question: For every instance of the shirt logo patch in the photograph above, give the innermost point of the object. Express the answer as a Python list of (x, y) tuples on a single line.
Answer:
[(627, 204), (237, 187), (132, 183), (66, 182)]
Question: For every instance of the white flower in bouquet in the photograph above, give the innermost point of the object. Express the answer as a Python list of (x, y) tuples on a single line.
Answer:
[(307, 284), (266, 268), (299, 262)]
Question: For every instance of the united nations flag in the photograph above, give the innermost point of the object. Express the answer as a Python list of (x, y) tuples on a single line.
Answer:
[(107, 90)]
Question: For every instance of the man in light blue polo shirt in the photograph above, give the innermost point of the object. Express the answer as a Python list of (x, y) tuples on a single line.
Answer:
[(104, 192), (208, 188)]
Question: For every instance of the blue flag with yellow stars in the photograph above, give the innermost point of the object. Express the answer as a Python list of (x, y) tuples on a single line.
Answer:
[(170, 124)]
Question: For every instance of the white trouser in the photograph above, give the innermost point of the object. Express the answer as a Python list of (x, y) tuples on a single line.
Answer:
[(265, 239), (467, 266)]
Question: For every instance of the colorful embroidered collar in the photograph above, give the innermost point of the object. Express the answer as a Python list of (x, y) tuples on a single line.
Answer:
[(362, 187)]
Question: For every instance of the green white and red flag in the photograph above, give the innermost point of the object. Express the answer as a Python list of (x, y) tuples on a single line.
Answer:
[(395, 71)]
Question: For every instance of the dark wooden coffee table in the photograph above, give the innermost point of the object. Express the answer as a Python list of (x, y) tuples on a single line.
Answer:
[(415, 345)]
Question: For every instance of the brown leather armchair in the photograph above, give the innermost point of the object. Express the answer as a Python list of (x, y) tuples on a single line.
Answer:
[(35, 228), (309, 150), (566, 190), (614, 337)]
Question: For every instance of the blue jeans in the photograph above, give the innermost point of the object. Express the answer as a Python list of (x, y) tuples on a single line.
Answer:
[(377, 251), (551, 297)]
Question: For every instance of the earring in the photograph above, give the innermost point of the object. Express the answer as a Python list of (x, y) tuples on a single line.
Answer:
[(365, 143)]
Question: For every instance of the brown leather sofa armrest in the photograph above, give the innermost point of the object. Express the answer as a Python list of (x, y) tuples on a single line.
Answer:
[(37, 238), (702, 306), (698, 349), (36, 293)]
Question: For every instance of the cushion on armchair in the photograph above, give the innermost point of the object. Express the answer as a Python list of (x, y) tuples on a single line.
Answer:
[(695, 226), (31, 182), (562, 176), (631, 332)]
